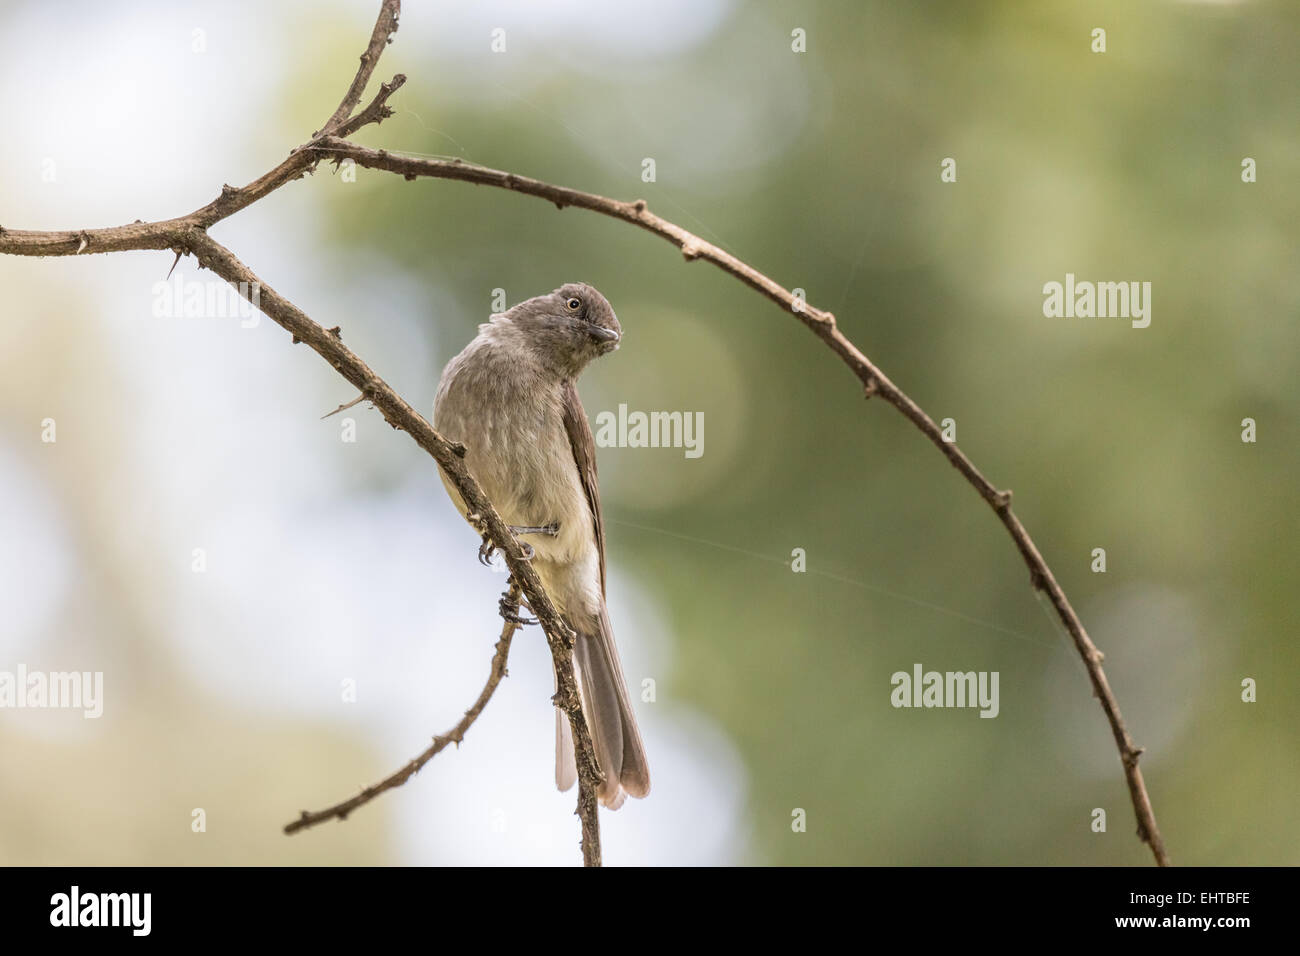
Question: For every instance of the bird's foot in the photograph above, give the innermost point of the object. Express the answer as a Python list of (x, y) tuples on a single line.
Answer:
[(487, 550), (509, 607), (551, 529)]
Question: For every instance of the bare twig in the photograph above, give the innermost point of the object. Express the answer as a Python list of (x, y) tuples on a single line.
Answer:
[(340, 811), (389, 13), (188, 234), (378, 110)]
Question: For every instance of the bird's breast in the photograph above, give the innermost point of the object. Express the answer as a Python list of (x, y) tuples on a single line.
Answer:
[(517, 448)]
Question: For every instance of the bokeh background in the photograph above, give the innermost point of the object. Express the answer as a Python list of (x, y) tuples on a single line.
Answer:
[(330, 561)]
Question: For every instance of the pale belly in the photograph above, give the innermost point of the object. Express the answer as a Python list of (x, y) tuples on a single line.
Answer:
[(522, 459)]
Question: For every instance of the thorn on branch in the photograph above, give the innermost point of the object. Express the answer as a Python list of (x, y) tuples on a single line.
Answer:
[(342, 408), (871, 388), (1003, 500)]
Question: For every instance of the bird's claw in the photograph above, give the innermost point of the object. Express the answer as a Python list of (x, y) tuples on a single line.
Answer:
[(510, 612), (488, 550)]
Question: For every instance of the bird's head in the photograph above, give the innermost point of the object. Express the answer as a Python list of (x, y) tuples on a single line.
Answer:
[(567, 328)]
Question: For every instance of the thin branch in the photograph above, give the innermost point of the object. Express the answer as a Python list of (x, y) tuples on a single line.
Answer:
[(340, 811), (385, 27), (378, 110), (188, 234), (165, 234), (171, 233)]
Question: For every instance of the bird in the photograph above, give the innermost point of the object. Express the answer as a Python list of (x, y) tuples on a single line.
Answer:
[(511, 399)]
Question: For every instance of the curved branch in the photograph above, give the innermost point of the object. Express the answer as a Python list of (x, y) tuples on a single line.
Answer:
[(340, 811), (873, 380)]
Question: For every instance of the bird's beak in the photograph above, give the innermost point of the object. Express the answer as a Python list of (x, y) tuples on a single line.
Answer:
[(603, 334)]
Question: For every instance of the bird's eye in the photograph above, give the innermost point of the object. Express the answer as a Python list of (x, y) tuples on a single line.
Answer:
[(574, 304)]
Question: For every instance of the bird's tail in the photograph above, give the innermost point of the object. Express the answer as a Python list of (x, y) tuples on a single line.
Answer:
[(608, 711)]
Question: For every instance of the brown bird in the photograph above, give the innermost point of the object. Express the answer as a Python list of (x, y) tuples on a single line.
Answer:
[(510, 399)]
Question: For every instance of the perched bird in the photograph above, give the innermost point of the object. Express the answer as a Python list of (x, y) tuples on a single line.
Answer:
[(510, 399)]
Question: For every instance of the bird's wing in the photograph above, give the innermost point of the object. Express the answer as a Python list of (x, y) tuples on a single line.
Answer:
[(584, 457), (619, 750)]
